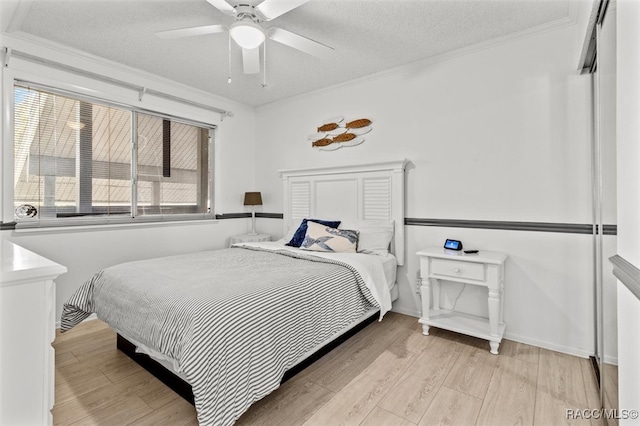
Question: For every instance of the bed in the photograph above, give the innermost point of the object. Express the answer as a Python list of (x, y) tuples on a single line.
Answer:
[(231, 324)]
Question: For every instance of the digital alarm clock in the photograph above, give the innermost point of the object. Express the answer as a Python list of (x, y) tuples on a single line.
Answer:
[(453, 245)]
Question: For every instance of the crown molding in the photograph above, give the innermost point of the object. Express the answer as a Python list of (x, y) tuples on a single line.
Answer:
[(57, 52), (15, 12)]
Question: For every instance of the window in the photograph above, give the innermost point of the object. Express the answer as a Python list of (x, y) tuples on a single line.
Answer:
[(77, 158)]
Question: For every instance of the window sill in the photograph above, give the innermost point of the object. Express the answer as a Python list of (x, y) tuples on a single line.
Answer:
[(66, 227)]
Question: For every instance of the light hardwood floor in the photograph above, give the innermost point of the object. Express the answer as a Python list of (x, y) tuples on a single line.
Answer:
[(388, 374)]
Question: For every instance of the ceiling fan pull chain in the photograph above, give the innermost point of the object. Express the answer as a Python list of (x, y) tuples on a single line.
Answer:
[(229, 62), (264, 64)]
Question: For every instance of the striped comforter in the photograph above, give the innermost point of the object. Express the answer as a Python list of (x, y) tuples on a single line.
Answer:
[(235, 319)]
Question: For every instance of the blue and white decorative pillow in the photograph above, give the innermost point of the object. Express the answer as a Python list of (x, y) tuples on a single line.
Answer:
[(324, 238), (298, 236)]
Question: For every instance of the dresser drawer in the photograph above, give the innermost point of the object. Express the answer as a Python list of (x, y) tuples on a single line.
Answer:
[(458, 269)]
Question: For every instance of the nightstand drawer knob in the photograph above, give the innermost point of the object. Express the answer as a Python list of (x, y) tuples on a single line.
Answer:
[(457, 270)]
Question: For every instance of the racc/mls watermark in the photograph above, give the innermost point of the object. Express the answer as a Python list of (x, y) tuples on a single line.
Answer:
[(600, 413)]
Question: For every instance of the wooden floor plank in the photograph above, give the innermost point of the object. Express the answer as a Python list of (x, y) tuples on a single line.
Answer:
[(178, 413), (292, 404), (65, 358), (412, 339), (520, 351), (472, 371), (69, 387), (80, 331), (451, 407), (511, 397), (75, 409), (415, 390), (560, 388), (158, 395), (343, 364), (116, 413), (119, 369), (380, 417), (352, 404), (83, 340)]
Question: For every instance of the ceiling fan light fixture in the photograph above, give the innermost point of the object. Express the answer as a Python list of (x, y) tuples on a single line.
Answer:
[(247, 34)]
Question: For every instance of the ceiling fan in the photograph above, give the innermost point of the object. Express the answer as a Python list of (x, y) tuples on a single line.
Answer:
[(248, 32)]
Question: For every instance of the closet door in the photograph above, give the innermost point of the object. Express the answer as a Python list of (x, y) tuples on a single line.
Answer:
[(604, 173)]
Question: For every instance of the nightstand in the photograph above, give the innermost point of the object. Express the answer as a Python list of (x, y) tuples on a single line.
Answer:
[(484, 269), (248, 238)]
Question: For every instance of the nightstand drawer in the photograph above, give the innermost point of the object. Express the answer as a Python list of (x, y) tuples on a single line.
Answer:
[(458, 269)]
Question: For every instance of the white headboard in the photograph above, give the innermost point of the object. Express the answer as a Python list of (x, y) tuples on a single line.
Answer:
[(358, 192)]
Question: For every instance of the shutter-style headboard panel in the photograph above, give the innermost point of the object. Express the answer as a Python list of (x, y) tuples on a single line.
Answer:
[(358, 192)]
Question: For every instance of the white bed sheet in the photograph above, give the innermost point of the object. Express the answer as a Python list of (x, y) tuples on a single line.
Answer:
[(390, 266), (389, 261), (370, 267)]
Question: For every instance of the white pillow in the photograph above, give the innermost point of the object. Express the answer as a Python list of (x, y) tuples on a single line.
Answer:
[(292, 227), (325, 238), (374, 236), (294, 224)]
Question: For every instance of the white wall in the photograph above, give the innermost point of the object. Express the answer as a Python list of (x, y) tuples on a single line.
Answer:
[(628, 149), (85, 251), (502, 133)]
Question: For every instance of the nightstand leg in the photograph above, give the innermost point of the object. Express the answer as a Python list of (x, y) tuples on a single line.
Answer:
[(425, 329), (494, 312), (501, 302), (494, 347), (436, 294), (425, 290)]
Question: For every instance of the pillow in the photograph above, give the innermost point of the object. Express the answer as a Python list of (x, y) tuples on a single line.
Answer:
[(292, 227), (374, 236), (324, 238), (298, 236)]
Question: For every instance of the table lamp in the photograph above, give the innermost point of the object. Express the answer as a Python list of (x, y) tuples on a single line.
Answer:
[(253, 199)]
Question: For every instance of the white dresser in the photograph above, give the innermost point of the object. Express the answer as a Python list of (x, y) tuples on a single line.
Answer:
[(27, 328), (485, 269)]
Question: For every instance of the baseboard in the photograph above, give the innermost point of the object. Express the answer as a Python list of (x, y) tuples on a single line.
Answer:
[(613, 360), (582, 353), (406, 312)]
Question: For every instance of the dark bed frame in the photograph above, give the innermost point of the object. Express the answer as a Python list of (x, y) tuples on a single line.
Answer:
[(183, 388)]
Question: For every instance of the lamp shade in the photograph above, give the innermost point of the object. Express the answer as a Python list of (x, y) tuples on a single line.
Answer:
[(252, 199)]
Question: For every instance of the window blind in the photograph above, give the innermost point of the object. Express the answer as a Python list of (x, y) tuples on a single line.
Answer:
[(74, 158)]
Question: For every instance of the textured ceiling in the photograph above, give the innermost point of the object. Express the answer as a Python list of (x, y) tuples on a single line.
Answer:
[(368, 36)]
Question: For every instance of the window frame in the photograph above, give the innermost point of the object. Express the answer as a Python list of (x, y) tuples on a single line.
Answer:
[(7, 183)]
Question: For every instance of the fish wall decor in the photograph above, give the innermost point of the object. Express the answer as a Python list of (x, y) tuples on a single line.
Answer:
[(334, 133)]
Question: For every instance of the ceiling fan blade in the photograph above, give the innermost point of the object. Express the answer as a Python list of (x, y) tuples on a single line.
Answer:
[(190, 32), (299, 42), (251, 60), (271, 9), (223, 7)]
